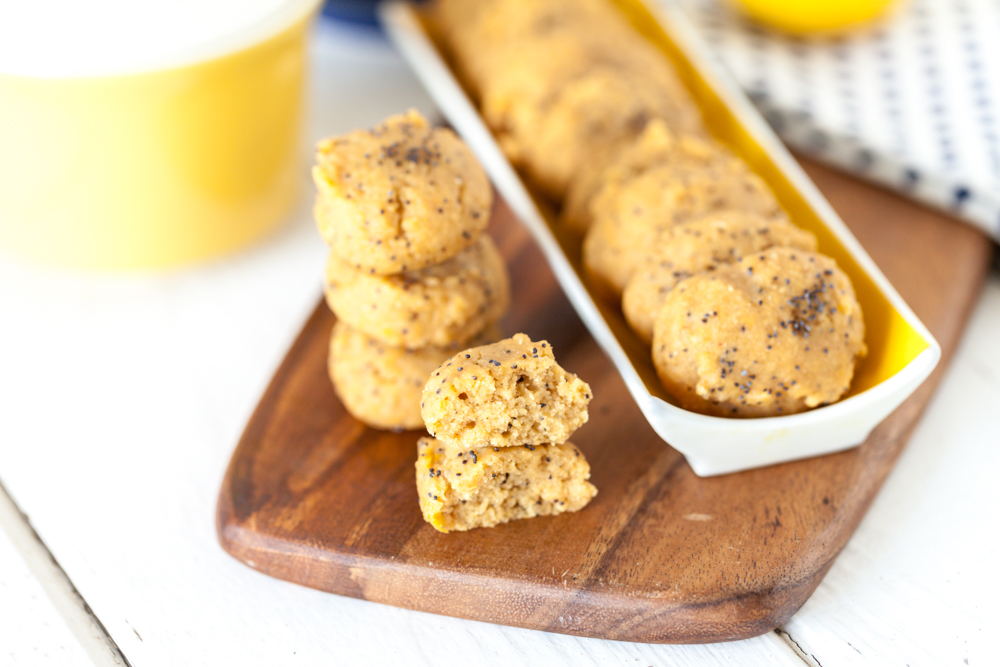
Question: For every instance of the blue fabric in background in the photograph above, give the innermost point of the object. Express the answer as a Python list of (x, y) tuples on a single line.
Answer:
[(353, 11), (911, 102)]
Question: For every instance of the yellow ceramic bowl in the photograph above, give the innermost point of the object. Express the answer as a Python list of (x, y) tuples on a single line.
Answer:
[(813, 16), (155, 168)]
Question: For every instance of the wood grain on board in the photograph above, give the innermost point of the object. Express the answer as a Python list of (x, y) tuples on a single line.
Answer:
[(314, 497)]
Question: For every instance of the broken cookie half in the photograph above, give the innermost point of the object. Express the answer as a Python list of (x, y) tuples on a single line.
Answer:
[(509, 393), (501, 416), (471, 488)]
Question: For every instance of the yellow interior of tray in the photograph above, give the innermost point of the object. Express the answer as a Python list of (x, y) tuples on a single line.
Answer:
[(892, 342)]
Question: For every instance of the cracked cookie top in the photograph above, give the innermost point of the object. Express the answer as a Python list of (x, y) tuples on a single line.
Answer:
[(400, 196), (774, 333), (510, 393)]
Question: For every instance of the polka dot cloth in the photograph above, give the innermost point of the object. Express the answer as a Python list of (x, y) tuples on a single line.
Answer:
[(911, 102)]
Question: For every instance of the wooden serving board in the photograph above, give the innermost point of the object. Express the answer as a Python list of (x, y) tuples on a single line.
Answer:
[(314, 497)]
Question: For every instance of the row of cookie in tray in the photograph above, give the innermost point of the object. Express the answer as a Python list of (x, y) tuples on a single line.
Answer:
[(598, 120), (563, 83)]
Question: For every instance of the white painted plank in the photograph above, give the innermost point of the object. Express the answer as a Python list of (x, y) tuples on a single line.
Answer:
[(918, 582), (68, 608), (123, 398), (32, 632)]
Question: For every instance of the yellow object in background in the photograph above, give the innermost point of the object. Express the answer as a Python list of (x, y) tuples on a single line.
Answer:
[(813, 16), (156, 168)]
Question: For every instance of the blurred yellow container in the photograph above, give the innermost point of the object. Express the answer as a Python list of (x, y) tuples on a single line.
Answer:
[(813, 16), (161, 167)]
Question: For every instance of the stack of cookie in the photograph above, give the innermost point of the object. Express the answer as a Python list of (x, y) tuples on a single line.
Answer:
[(411, 276), (500, 417)]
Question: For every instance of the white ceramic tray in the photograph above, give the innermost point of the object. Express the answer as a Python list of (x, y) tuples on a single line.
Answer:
[(902, 352)]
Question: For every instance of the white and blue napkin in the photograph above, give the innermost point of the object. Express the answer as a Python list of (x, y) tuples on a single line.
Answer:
[(911, 101)]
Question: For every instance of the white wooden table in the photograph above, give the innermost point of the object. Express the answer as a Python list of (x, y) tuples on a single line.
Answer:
[(123, 396)]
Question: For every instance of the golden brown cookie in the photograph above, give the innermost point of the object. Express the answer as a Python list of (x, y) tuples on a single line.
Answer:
[(657, 145), (487, 37), (441, 305), (774, 333), (588, 118), (455, 17), (630, 217), (476, 488), (510, 393), (566, 74), (399, 197), (701, 245), (380, 384)]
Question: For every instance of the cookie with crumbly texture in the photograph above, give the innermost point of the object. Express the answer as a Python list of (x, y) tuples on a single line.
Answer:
[(702, 245), (774, 333), (379, 384), (630, 217), (444, 304), (563, 83), (486, 37), (509, 393), (657, 145), (461, 489), (399, 197), (587, 118)]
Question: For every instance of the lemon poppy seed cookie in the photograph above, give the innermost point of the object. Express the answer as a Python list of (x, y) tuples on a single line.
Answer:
[(561, 109), (587, 119), (460, 489), (401, 196), (509, 393), (441, 305), (500, 35), (774, 333), (701, 245), (563, 82), (657, 145), (630, 217), (494, 38), (380, 384)]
